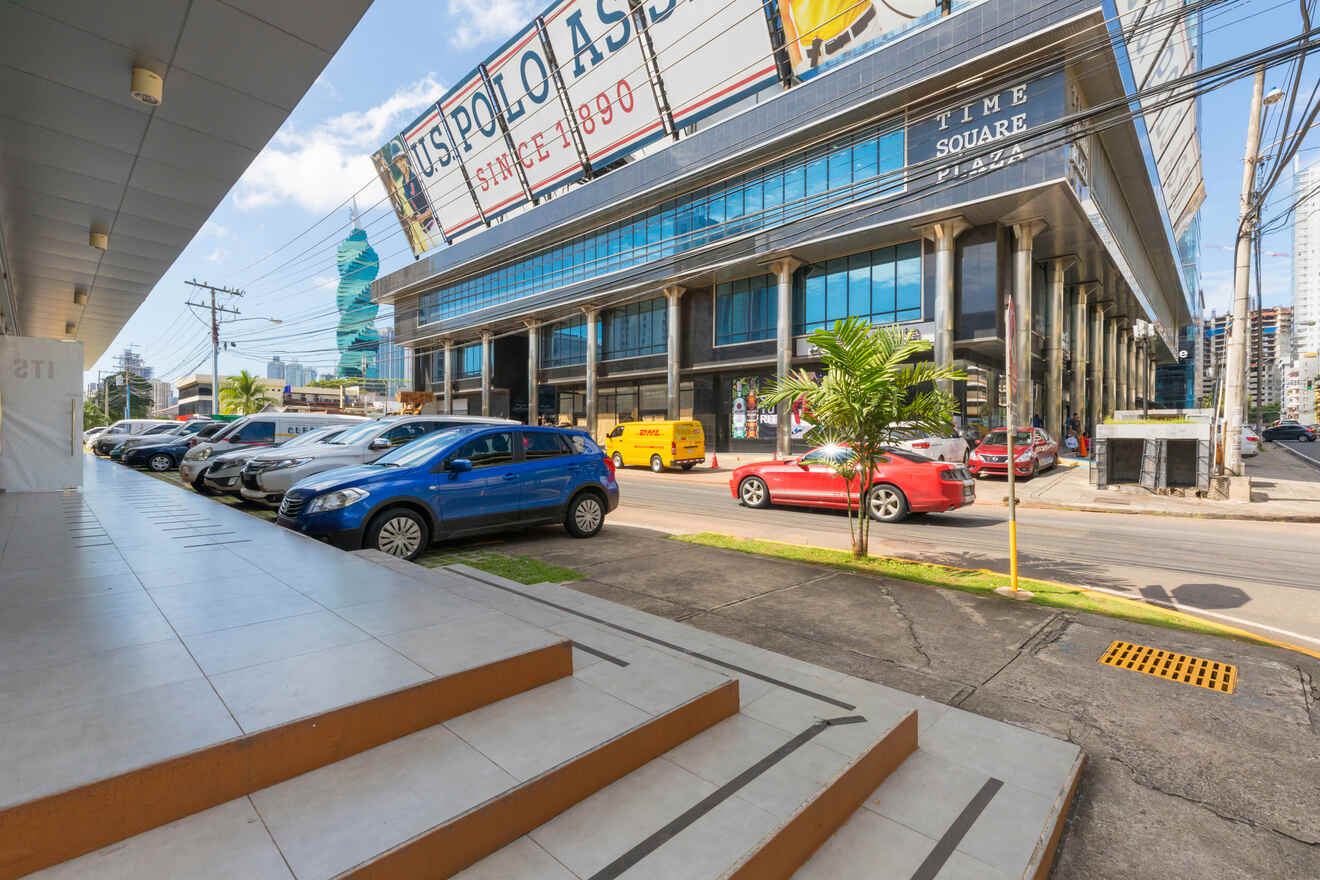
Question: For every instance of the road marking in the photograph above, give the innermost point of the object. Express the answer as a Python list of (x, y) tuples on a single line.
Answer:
[(1299, 453), (1194, 611)]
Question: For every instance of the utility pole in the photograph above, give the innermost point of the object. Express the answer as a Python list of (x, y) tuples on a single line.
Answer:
[(1235, 369), (215, 334)]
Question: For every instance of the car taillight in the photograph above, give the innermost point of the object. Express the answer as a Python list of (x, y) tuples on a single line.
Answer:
[(1252, 438), (921, 444), (609, 463), (951, 474), (673, 449)]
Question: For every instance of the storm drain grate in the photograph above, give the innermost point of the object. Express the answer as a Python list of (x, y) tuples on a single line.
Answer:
[(1185, 668)]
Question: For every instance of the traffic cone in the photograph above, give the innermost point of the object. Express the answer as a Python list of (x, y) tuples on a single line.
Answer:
[(714, 459)]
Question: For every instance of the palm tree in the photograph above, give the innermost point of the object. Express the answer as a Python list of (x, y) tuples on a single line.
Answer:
[(244, 394), (871, 387)]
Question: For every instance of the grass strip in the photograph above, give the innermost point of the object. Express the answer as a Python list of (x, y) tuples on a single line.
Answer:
[(977, 581), (522, 569)]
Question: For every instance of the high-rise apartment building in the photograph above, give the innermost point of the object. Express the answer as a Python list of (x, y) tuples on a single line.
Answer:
[(274, 368), (1306, 259), (1270, 344)]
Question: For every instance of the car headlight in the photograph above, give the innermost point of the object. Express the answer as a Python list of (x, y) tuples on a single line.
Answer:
[(336, 500), (1024, 456), (975, 456), (197, 453), (285, 463)]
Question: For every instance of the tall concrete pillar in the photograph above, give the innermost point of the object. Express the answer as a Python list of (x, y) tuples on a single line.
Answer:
[(1053, 403), (1111, 366), (485, 372), (1096, 400), (533, 364), (1136, 383), (1020, 405), (449, 378), (1152, 365), (783, 269), (1120, 365), (944, 233), (1080, 352), (674, 297), (593, 357)]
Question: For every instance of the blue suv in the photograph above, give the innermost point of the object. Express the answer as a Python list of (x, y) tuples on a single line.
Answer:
[(458, 481)]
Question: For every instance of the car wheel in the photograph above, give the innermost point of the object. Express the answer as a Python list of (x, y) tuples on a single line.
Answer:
[(1035, 468), (160, 462), (753, 492), (967, 453), (586, 516), (941, 458), (200, 487), (656, 464), (618, 460), (887, 504), (399, 532)]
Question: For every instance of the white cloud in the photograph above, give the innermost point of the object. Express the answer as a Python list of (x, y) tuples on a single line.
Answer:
[(482, 20), (210, 227), (318, 168), (1276, 285), (216, 256)]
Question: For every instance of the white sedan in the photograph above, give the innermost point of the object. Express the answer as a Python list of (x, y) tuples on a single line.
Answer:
[(947, 446), (1250, 442)]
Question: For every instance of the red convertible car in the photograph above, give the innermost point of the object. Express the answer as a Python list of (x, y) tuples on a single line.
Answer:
[(1032, 447), (905, 483)]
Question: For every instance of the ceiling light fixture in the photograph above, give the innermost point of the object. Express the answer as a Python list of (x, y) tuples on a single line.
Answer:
[(148, 87), (99, 240), (79, 296)]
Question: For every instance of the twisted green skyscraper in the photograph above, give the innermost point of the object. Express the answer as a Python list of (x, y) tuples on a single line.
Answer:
[(357, 336)]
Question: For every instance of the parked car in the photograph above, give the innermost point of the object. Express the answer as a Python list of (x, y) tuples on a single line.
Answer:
[(266, 476), (260, 430), (657, 445), (1289, 431), (180, 429), (125, 428), (1033, 450), (944, 446), (165, 453), (1250, 442), (904, 483), (458, 481), (223, 476)]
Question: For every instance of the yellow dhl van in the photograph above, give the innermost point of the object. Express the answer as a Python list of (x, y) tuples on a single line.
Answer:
[(657, 444)]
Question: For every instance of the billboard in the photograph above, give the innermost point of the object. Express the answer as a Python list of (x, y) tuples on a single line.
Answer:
[(588, 82)]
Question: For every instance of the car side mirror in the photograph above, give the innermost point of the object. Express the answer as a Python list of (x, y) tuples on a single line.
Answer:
[(460, 465), (379, 443), (800, 463)]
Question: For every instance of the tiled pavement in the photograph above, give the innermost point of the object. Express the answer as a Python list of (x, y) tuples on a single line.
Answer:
[(139, 621)]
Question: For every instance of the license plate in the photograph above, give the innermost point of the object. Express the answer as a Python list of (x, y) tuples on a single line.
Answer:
[(969, 492)]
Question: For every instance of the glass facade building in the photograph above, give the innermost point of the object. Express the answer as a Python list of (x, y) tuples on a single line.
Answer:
[(865, 165)]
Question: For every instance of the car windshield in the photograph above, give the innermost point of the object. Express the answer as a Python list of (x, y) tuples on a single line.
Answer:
[(422, 450), (359, 433), (1000, 438), (320, 435), (236, 425)]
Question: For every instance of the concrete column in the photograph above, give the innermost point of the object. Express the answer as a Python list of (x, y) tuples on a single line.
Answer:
[(485, 372), (783, 270), (944, 234), (1053, 416), (1120, 366), (593, 357), (449, 378), (1080, 352), (1020, 405), (1151, 365), (533, 364), (674, 297), (1111, 366), (1096, 400), (1136, 383)]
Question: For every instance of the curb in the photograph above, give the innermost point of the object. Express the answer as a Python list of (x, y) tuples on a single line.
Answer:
[(1092, 508), (1302, 455), (1245, 635)]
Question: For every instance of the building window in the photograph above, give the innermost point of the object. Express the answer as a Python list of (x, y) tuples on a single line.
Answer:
[(565, 343), (883, 286), (865, 165), (469, 361), (746, 310), (634, 330)]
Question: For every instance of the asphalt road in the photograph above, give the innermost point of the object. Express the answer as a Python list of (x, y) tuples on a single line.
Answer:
[(1310, 450), (1260, 576)]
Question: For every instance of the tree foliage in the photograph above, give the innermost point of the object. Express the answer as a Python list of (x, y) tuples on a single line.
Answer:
[(873, 391), (244, 394)]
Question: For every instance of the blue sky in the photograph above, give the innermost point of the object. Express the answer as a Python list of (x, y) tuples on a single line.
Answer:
[(400, 58)]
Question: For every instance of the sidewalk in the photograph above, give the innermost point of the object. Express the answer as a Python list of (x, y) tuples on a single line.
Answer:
[(1179, 781), (1283, 488)]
